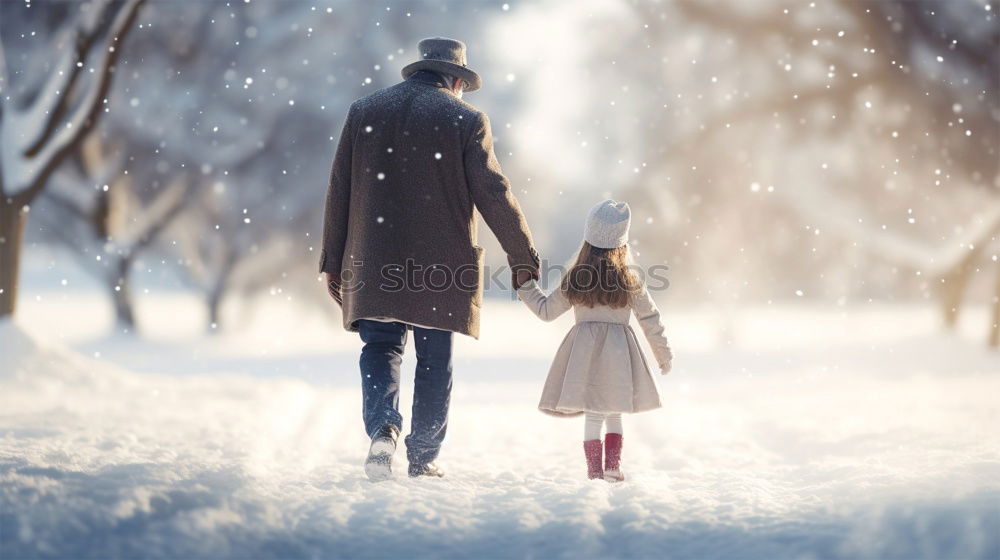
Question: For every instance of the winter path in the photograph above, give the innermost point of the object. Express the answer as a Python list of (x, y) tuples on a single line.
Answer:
[(820, 434)]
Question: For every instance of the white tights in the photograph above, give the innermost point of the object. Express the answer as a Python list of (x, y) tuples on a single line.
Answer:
[(592, 427)]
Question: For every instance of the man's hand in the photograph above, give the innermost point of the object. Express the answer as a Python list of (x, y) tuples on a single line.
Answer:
[(333, 287), (665, 368), (521, 275)]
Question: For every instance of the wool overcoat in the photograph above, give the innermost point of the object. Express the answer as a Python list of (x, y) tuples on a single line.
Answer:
[(413, 165)]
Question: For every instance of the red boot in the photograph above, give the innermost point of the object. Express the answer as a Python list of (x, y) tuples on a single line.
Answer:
[(613, 458), (592, 450)]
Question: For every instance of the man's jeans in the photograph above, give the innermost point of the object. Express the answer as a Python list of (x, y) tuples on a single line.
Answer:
[(380, 360)]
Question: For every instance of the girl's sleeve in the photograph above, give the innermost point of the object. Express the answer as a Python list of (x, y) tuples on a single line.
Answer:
[(649, 319), (546, 307)]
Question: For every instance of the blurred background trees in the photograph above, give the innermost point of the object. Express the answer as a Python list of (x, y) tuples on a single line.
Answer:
[(860, 138), (833, 151), (45, 113)]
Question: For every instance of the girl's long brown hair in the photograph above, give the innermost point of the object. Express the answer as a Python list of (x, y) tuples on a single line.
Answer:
[(600, 277)]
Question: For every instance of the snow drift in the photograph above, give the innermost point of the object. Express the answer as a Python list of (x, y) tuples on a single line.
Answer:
[(832, 457)]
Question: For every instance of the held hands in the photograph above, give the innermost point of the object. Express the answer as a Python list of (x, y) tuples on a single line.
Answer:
[(522, 275), (519, 277), (333, 287)]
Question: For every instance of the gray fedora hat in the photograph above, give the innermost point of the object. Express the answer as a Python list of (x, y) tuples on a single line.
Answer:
[(440, 54)]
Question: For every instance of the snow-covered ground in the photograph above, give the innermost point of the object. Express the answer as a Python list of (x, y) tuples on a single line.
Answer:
[(800, 432)]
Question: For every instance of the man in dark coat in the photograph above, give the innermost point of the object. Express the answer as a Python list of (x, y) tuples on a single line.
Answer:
[(399, 241)]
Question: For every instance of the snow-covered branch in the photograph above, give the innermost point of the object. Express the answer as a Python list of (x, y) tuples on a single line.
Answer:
[(69, 204), (846, 218), (82, 118), (89, 168), (142, 223), (234, 150), (40, 119), (26, 172), (148, 223)]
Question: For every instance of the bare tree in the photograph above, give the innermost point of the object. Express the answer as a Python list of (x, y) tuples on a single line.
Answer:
[(255, 92), (38, 133), (98, 213)]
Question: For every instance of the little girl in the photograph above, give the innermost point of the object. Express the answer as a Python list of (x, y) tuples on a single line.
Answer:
[(599, 370)]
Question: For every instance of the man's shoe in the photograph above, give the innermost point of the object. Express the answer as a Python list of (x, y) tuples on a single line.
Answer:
[(427, 469), (378, 465)]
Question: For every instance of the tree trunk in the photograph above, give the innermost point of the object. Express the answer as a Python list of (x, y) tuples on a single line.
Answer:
[(12, 220), (215, 296), (994, 339), (953, 288), (121, 295), (217, 291)]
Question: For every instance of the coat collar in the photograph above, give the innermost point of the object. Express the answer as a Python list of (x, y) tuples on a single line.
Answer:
[(429, 78)]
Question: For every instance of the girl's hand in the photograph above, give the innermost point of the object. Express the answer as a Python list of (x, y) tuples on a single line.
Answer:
[(665, 368), (521, 277)]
